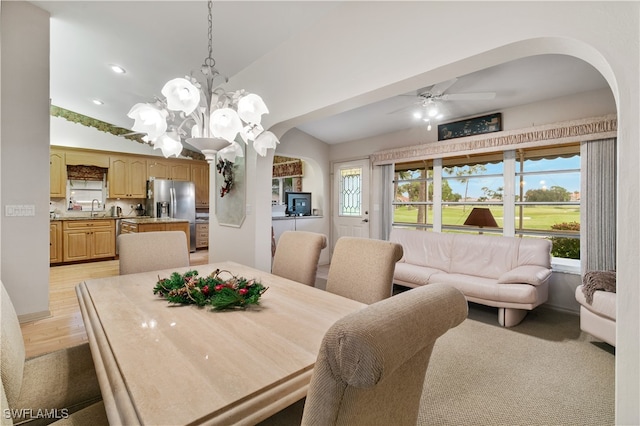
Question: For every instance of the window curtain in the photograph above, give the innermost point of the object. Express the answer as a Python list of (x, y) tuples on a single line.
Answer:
[(387, 200), (598, 205)]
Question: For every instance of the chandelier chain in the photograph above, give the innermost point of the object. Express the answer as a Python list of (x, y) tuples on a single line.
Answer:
[(209, 61)]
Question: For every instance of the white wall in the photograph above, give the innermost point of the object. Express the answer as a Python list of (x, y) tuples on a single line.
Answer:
[(24, 165)]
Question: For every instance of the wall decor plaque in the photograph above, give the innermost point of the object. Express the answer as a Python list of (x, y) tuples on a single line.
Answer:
[(472, 126)]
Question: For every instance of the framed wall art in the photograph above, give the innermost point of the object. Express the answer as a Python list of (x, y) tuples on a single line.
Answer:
[(469, 127)]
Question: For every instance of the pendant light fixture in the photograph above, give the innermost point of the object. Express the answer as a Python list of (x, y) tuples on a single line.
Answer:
[(199, 111)]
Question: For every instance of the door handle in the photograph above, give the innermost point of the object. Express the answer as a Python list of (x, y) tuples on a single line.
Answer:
[(365, 220)]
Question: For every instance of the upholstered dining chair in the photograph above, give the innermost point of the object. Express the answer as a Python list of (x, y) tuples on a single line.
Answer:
[(62, 383), (149, 251), (297, 255), (371, 365), (362, 268)]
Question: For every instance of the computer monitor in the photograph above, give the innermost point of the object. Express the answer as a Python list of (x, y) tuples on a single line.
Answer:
[(298, 203)]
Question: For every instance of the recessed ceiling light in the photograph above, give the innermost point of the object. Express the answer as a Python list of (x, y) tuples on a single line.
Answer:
[(118, 69), (98, 102)]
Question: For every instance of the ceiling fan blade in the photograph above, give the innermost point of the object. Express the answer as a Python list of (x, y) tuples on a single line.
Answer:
[(468, 96), (439, 88)]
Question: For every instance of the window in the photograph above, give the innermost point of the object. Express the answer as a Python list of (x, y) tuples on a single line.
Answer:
[(470, 182), (542, 184), (413, 195), (547, 182), (278, 188), (350, 199)]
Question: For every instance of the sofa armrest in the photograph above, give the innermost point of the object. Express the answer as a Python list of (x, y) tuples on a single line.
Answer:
[(526, 274)]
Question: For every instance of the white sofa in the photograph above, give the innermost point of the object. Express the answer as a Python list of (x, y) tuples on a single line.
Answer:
[(598, 318), (509, 273)]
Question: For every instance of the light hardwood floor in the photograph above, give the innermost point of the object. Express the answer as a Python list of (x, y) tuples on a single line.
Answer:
[(65, 327)]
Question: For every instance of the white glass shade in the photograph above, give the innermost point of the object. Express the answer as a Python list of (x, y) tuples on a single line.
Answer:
[(251, 107), (264, 141), (231, 152), (181, 95), (149, 120), (169, 144), (225, 123)]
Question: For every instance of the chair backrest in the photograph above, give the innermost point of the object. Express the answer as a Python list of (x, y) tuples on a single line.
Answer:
[(371, 365), (12, 351), (149, 251), (362, 269), (297, 254)]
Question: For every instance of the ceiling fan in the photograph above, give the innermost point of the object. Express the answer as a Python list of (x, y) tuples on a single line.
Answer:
[(430, 100)]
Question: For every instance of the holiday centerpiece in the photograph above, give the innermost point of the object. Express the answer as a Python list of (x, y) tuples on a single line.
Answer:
[(189, 288)]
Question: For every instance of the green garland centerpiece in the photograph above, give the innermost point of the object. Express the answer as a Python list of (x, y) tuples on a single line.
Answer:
[(189, 288)]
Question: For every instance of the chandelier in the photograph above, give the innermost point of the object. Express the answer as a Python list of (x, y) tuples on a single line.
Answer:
[(203, 114)]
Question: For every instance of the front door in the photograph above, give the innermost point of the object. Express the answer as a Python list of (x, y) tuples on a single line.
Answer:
[(351, 199)]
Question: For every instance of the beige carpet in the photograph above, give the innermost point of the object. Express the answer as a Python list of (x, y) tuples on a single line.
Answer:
[(542, 372)]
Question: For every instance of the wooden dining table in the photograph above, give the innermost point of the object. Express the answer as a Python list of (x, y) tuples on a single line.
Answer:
[(165, 364)]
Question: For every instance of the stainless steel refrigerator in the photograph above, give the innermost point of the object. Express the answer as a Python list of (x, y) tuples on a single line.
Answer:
[(175, 199)]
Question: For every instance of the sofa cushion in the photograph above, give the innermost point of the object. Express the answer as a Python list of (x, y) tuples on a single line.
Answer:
[(534, 251), (525, 274), (487, 289), (424, 248), (414, 274), (604, 302), (483, 256)]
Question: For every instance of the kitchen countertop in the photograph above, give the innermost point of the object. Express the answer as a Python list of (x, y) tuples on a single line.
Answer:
[(96, 217), (140, 220)]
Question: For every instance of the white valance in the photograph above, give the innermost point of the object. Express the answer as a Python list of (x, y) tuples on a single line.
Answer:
[(549, 134)]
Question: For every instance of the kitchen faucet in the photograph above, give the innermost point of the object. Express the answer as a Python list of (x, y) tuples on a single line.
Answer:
[(94, 201)]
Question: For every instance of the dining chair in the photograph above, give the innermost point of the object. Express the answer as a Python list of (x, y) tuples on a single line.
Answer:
[(150, 251), (362, 268), (62, 383), (371, 365), (297, 255)]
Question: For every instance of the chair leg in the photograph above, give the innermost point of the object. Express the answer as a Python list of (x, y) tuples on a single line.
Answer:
[(508, 317)]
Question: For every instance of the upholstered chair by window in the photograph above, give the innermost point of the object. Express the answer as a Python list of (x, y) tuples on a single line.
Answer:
[(150, 251), (362, 268), (64, 380), (297, 255)]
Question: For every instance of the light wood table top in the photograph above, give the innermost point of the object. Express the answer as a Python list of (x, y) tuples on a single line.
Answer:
[(159, 363)]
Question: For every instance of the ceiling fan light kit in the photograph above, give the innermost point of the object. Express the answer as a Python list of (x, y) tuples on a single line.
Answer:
[(430, 100), (201, 112)]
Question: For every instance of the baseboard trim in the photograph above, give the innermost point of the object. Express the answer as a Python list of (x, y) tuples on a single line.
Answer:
[(34, 316)]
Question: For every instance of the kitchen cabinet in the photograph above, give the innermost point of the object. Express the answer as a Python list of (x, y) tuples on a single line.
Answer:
[(55, 241), (158, 169), (180, 171), (168, 169), (88, 239), (153, 225), (202, 235), (127, 177), (57, 174), (200, 177)]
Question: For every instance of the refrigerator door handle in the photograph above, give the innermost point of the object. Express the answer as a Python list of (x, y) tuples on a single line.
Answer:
[(172, 193)]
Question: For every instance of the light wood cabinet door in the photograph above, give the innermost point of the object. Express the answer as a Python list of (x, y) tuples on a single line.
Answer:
[(57, 174), (180, 171), (200, 177), (138, 177), (127, 177), (55, 242), (158, 169), (88, 239)]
